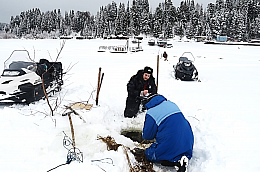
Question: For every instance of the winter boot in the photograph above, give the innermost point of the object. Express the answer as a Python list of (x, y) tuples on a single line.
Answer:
[(183, 164)]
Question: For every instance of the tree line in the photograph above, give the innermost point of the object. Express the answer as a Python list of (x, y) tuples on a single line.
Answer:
[(237, 19)]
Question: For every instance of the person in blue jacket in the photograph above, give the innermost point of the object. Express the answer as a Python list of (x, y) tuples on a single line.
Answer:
[(174, 138)]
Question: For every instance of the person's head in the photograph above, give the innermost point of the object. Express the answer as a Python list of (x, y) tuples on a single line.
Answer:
[(147, 73), (153, 100)]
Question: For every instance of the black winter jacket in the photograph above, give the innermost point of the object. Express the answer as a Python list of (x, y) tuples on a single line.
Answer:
[(136, 85)]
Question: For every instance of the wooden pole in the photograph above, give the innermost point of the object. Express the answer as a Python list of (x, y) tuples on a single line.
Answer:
[(157, 72), (100, 83), (72, 132), (98, 86)]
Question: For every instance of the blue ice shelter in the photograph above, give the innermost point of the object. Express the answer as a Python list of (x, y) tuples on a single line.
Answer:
[(222, 38)]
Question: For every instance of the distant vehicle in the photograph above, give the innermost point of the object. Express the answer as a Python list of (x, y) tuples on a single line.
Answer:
[(135, 49), (21, 80), (80, 37), (102, 48), (161, 43), (168, 45), (254, 41), (119, 49), (66, 37), (135, 41), (151, 42)]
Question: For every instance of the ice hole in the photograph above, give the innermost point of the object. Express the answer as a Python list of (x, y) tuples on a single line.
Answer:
[(135, 136)]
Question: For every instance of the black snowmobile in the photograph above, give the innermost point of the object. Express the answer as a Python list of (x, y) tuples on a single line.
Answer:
[(185, 69), (21, 80)]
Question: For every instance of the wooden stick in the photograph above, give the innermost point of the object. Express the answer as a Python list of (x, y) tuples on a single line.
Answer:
[(98, 86), (46, 96), (72, 132), (157, 72), (43, 87), (128, 160), (76, 113), (100, 82)]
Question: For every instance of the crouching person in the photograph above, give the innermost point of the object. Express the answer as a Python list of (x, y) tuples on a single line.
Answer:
[(140, 85), (165, 123)]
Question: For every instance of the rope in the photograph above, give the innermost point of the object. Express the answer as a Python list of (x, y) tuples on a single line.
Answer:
[(102, 161), (74, 154), (56, 167)]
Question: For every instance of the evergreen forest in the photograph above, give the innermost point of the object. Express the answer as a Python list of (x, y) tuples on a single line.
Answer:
[(237, 19)]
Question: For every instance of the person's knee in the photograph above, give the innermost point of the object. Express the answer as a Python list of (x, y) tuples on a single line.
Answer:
[(150, 153), (129, 113)]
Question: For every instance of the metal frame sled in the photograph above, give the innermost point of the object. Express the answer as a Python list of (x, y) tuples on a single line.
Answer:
[(185, 69), (21, 80)]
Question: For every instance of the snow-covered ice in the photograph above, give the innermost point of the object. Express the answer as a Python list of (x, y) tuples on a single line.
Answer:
[(223, 108)]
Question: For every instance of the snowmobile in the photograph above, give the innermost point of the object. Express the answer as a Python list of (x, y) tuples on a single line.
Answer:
[(25, 81), (185, 69)]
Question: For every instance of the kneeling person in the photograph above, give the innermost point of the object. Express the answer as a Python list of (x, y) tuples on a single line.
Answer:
[(141, 84), (165, 123)]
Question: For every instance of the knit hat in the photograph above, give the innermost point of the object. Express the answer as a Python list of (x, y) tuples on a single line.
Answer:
[(146, 99), (148, 70), (157, 100)]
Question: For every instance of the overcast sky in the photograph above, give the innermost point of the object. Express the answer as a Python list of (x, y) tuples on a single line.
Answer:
[(10, 8)]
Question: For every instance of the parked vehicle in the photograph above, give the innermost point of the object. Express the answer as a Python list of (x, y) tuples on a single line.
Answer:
[(151, 42), (25, 81), (161, 42), (185, 69), (168, 45), (119, 49)]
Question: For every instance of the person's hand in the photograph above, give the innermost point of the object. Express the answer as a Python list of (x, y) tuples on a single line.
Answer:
[(145, 92)]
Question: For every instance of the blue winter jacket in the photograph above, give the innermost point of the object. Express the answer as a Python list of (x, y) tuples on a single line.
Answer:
[(165, 123)]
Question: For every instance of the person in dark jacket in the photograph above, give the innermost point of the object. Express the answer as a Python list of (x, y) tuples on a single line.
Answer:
[(174, 138), (165, 56), (141, 84)]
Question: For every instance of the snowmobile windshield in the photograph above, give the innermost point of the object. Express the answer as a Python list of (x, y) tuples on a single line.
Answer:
[(18, 65), (182, 59), (187, 56), (18, 60)]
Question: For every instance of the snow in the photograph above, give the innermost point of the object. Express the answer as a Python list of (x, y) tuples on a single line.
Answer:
[(223, 109)]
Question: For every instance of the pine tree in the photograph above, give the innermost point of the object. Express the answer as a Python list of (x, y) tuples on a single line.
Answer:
[(251, 16), (134, 19), (128, 20), (120, 21), (157, 20), (145, 28), (111, 17)]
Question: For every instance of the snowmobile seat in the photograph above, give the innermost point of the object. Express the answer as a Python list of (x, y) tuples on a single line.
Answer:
[(42, 68), (44, 61), (56, 70), (56, 66), (182, 59)]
